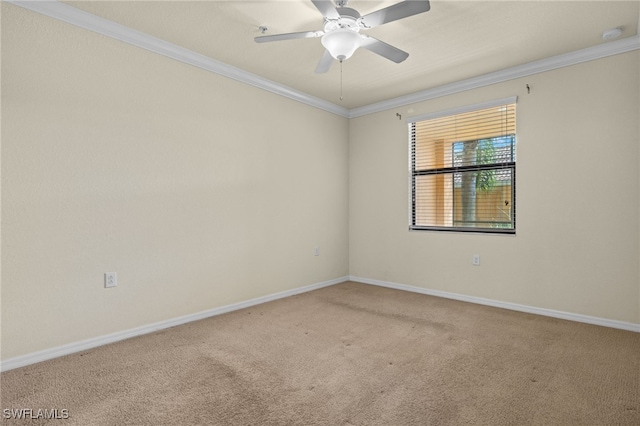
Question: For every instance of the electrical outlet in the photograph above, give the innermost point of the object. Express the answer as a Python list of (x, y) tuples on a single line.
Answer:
[(316, 251), (110, 279), (476, 260)]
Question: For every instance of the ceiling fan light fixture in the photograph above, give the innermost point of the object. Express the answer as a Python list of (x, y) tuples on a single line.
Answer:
[(341, 43)]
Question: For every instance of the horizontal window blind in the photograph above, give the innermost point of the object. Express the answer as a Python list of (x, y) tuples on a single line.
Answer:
[(463, 171)]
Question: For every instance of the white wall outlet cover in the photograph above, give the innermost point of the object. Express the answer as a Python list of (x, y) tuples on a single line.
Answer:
[(110, 279)]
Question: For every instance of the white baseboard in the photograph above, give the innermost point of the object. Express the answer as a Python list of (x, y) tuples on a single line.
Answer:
[(47, 354), (505, 305)]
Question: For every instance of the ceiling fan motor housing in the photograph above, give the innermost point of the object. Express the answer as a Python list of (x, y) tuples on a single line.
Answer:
[(349, 18)]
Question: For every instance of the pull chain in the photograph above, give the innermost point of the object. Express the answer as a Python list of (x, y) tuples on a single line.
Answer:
[(340, 80)]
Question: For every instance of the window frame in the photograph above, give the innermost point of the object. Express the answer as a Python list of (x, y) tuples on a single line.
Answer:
[(498, 166)]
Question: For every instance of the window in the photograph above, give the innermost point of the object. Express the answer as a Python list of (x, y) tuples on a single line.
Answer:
[(463, 169)]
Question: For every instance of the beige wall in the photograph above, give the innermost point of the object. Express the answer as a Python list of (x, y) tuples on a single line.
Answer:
[(197, 190), (577, 198)]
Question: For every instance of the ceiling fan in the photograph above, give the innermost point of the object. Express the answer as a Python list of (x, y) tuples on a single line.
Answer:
[(341, 32)]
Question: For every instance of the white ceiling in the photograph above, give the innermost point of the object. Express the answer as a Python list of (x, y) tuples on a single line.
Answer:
[(455, 40)]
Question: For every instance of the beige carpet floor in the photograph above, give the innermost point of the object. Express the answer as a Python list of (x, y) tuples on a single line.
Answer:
[(349, 354)]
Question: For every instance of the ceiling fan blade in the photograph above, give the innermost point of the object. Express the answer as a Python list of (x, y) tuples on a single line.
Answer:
[(394, 12), (327, 8), (383, 49), (325, 63), (288, 36)]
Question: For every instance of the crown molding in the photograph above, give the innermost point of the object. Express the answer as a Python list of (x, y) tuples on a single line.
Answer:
[(61, 11), (567, 59)]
